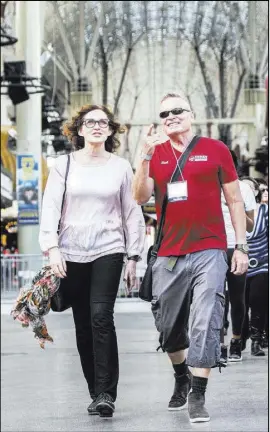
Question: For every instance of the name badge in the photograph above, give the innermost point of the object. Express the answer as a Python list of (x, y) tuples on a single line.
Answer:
[(177, 191)]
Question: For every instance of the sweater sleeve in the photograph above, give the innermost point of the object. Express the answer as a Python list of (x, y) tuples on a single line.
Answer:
[(51, 206), (132, 217)]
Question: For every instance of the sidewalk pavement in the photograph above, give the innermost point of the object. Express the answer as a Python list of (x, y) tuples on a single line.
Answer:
[(45, 390)]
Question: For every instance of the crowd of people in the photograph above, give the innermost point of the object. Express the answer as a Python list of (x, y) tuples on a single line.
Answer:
[(5, 250)]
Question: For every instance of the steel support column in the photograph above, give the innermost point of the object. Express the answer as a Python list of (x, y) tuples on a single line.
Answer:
[(28, 114)]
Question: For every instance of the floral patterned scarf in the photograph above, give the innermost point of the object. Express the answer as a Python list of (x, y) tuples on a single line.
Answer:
[(33, 302)]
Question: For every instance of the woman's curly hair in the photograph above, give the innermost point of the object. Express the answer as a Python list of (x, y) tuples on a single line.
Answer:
[(71, 128)]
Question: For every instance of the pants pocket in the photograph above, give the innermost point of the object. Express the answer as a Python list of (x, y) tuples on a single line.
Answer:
[(216, 322), (225, 256), (155, 307)]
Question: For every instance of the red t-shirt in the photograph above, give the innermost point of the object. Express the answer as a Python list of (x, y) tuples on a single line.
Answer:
[(197, 223)]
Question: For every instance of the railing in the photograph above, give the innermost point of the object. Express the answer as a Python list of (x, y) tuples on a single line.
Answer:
[(18, 270)]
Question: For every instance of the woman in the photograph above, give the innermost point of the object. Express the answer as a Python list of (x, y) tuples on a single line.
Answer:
[(236, 284), (100, 223), (257, 276)]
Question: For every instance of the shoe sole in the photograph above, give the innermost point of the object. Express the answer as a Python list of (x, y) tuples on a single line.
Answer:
[(200, 420), (93, 413), (258, 355), (105, 410), (231, 360), (178, 408)]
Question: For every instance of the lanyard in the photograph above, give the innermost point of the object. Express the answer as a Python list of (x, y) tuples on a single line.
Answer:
[(178, 160), (177, 163)]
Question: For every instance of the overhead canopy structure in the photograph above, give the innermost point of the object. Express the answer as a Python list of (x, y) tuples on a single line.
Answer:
[(129, 53)]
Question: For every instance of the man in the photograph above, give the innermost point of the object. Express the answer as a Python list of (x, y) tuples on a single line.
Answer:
[(191, 262)]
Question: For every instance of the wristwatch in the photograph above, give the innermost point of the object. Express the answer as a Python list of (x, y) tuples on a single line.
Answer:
[(242, 247), (134, 258), (145, 156)]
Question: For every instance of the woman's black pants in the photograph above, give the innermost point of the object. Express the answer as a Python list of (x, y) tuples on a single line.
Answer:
[(257, 299), (236, 291), (92, 289)]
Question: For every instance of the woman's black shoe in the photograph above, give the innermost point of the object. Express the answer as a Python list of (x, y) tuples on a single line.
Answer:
[(235, 350), (256, 349), (105, 406), (92, 408)]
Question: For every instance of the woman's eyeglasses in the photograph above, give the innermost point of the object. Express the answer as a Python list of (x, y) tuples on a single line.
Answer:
[(175, 111), (265, 189), (91, 123)]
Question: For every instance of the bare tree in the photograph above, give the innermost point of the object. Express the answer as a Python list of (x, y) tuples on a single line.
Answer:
[(118, 34), (131, 39), (213, 32), (127, 146)]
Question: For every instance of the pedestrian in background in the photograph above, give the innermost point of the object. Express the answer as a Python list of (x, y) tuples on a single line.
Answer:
[(236, 284), (257, 297)]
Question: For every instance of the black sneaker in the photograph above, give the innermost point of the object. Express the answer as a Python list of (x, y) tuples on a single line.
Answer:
[(235, 350), (256, 349), (196, 408), (224, 355), (92, 408), (181, 388), (105, 406)]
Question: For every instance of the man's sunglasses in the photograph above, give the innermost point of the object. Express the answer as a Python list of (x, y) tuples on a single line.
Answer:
[(175, 111)]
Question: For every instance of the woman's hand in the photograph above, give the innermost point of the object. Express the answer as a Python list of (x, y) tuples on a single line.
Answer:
[(130, 275), (57, 262)]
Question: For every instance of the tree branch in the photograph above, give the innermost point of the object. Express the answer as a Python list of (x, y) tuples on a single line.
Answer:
[(122, 80), (222, 79), (104, 69), (237, 93), (210, 94)]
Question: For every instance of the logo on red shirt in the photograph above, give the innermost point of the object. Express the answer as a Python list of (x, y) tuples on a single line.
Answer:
[(198, 158)]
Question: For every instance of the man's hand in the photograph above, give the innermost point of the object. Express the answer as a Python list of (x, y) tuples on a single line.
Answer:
[(151, 141), (239, 263), (130, 275), (57, 262)]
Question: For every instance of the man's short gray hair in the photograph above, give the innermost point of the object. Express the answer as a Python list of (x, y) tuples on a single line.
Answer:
[(175, 95)]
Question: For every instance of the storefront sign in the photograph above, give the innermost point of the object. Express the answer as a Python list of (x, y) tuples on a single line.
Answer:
[(27, 190)]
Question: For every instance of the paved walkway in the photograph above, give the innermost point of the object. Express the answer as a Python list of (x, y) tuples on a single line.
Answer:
[(45, 390)]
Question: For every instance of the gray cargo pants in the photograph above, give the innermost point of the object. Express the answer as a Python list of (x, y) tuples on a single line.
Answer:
[(198, 279)]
